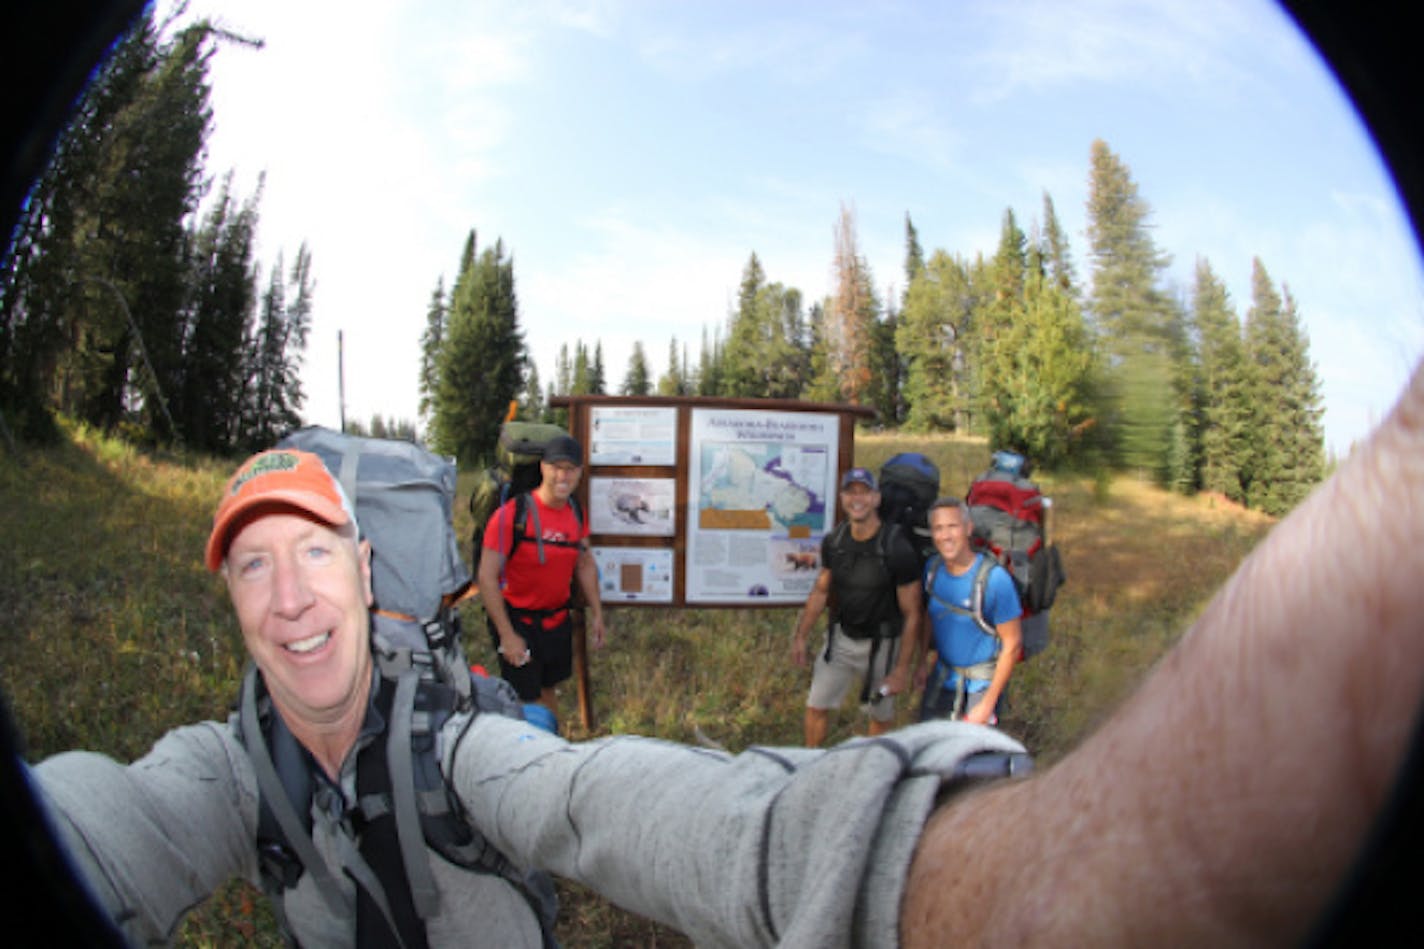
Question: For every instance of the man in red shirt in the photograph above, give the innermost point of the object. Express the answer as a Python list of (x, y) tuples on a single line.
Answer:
[(526, 584)]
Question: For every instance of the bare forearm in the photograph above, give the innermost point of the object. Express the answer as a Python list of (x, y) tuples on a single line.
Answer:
[(588, 583), (492, 599), (815, 606), (1010, 641), (1226, 800)]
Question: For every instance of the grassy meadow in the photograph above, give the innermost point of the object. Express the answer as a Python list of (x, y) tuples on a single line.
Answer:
[(116, 632)]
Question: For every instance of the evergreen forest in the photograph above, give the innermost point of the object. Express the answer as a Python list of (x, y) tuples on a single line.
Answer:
[(1108, 370), (131, 301)]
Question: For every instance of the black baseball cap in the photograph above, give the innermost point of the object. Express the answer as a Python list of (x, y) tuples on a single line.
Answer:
[(564, 448)]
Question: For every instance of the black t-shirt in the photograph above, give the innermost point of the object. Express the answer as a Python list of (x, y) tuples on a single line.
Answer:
[(865, 575)]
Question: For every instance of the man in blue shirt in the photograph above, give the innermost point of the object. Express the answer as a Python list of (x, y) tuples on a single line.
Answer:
[(974, 615)]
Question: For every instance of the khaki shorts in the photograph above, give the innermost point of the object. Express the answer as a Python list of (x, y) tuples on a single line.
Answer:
[(850, 659)]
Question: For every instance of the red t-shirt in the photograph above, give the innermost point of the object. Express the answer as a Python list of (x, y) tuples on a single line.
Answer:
[(525, 582)]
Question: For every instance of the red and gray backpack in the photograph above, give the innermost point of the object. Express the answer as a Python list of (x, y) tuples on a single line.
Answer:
[(1009, 514)]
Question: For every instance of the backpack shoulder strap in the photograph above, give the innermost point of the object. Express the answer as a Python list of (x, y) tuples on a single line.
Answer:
[(976, 598), (524, 504), (400, 764), (521, 520), (888, 531), (931, 568), (981, 585), (277, 806)]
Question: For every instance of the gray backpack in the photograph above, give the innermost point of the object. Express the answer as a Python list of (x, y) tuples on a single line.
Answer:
[(404, 496)]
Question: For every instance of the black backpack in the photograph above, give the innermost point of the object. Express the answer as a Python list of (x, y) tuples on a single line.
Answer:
[(909, 484)]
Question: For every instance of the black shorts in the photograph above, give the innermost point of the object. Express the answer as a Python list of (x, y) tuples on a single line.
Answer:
[(551, 653)]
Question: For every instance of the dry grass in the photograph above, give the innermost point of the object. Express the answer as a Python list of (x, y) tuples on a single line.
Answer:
[(117, 633)]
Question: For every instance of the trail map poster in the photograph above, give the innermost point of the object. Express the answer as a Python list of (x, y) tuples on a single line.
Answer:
[(761, 494), (632, 435)]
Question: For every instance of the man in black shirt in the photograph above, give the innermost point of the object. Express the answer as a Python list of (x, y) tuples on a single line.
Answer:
[(870, 580)]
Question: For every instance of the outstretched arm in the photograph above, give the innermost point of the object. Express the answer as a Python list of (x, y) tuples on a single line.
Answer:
[(1228, 798)]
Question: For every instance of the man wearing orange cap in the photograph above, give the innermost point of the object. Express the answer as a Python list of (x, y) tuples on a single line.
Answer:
[(286, 541)]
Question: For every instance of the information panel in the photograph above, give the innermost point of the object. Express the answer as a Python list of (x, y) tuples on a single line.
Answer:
[(635, 507), (632, 435), (634, 574), (761, 494)]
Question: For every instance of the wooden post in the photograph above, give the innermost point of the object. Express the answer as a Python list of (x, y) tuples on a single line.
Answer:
[(585, 698)]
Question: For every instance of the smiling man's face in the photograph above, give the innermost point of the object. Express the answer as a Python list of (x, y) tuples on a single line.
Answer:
[(302, 592), (860, 501)]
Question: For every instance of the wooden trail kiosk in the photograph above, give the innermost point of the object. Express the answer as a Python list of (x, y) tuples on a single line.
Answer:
[(705, 502)]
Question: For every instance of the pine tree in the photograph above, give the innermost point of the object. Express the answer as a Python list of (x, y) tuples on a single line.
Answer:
[(1289, 456), (1225, 377), (483, 360), (597, 378), (914, 254), (531, 404), (931, 336), (637, 380), (1058, 263), (1043, 369), (1304, 407), (674, 381), (91, 306), (889, 369), (1184, 453), (281, 345), (431, 341), (744, 355), (264, 352), (788, 355), (583, 371), (563, 372), (218, 324), (1035, 357), (1132, 318), (991, 344), (709, 366), (825, 384)]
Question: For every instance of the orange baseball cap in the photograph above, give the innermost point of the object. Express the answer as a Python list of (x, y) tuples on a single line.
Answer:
[(284, 477)]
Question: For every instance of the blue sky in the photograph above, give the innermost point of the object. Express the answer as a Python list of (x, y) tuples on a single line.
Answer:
[(632, 155)]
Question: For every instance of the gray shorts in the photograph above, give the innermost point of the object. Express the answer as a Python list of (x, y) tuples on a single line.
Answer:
[(850, 659)]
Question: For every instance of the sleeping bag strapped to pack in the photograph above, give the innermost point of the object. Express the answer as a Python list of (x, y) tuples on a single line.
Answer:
[(909, 484), (404, 496), (1009, 514)]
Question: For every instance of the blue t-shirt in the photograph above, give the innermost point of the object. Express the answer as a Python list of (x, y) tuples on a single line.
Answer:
[(957, 638)]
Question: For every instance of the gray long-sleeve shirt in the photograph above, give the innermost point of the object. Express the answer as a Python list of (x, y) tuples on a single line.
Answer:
[(773, 846)]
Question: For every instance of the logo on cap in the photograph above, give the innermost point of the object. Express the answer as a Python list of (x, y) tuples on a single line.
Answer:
[(282, 477), (859, 476), (264, 464)]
